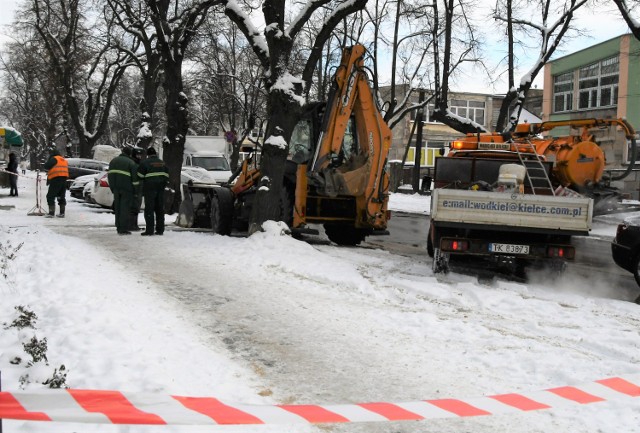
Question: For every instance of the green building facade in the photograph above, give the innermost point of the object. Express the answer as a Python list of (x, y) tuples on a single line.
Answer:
[(603, 82)]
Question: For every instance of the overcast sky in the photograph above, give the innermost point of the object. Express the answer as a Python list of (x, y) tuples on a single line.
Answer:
[(598, 26)]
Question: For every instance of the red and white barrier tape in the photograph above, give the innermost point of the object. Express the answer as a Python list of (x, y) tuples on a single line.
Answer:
[(114, 407)]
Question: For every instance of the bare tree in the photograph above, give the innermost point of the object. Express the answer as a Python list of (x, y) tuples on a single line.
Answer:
[(87, 70), (133, 17), (28, 103), (627, 11), (176, 24), (286, 94), (454, 13), (555, 22), (227, 86)]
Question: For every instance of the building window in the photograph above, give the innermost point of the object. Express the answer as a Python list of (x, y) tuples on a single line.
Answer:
[(563, 92), (609, 74), (598, 85), (472, 110), (428, 154)]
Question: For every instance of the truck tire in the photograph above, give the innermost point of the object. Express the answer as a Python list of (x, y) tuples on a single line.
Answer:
[(429, 244), (221, 211), (636, 269), (345, 235)]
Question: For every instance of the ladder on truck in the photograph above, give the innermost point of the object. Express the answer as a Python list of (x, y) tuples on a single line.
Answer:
[(537, 175)]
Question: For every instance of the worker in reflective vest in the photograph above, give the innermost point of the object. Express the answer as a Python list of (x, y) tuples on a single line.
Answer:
[(154, 175), (123, 180), (57, 175)]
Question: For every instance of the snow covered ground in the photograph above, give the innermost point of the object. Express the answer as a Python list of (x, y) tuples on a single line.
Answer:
[(269, 319)]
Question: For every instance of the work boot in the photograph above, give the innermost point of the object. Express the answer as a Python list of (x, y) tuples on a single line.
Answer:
[(133, 223), (52, 211), (61, 214)]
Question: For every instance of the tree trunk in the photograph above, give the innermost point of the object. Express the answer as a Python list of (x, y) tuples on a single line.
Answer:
[(284, 114), (177, 126)]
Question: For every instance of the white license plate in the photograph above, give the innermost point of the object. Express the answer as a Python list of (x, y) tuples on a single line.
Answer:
[(509, 248)]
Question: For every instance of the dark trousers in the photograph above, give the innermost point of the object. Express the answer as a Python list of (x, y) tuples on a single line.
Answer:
[(57, 189), (154, 208), (122, 201), (13, 184)]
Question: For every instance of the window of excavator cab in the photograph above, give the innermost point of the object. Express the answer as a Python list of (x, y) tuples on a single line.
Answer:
[(349, 145), (300, 144)]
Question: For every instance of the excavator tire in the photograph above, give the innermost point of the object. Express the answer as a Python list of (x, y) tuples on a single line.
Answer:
[(345, 235), (221, 211)]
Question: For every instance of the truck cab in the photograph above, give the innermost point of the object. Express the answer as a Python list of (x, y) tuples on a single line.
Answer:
[(209, 152), (212, 161)]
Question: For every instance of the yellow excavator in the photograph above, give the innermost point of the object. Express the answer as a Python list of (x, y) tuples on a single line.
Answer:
[(335, 174)]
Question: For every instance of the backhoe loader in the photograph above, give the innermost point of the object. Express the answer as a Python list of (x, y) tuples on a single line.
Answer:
[(335, 174)]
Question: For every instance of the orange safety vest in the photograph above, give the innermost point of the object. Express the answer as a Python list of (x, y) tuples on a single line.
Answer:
[(61, 169)]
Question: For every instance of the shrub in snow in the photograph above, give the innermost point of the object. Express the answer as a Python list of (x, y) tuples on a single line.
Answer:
[(59, 379), (37, 349), (25, 319), (7, 253)]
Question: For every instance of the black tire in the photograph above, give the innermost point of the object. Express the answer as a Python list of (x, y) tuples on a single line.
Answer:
[(221, 211), (345, 235), (636, 268), (429, 244)]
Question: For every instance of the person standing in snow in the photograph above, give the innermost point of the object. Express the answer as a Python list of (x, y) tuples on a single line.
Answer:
[(57, 175), (154, 175), (123, 179), (23, 166), (13, 178), (136, 155)]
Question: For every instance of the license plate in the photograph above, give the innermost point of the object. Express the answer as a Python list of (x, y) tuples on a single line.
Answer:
[(509, 248)]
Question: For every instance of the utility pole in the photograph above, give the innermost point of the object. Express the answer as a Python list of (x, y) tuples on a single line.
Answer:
[(418, 154)]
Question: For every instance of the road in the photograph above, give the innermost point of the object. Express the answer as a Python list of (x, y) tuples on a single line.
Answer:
[(593, 255)]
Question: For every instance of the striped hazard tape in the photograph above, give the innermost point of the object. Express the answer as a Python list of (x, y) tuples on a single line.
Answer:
[(113, 407)]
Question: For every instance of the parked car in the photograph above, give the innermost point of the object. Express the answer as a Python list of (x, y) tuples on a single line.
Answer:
[(101, 193), (625, 247), (77, 188), (82, 166)]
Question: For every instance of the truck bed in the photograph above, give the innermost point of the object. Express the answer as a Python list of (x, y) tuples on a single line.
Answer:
[(512, 212)]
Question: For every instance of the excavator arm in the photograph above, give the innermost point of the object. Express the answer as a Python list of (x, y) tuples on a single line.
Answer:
[(353, 167)]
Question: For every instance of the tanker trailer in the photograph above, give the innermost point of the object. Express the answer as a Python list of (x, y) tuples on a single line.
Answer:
[(577, 161)]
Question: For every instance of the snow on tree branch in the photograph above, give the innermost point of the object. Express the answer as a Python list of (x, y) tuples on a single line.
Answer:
[(255, 37)]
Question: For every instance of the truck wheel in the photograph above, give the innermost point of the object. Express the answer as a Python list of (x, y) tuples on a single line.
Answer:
[(440, 263), (429, 244), (345, 235), (221, 211), (636, 268)]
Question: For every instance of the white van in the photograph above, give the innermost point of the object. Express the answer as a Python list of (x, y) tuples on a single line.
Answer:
[(210, 153)]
